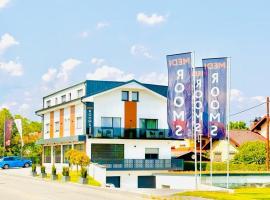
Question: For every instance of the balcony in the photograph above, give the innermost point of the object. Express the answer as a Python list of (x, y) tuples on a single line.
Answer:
[(142, 164), (121, 133)]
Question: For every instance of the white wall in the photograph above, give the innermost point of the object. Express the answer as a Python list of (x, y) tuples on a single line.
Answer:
[(184, 182), (98, 172), (150, 105), (72, 90), (135, 149)]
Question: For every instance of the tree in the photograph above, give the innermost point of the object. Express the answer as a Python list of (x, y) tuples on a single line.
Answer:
[(77, 158), (251, 152), (238, 125)]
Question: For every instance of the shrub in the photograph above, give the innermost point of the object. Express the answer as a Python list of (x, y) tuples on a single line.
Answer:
[(34, 168), (65, 171), (77, 158), (53, 170), (222, 166), (43, 169), (190, 166), (251, 152), (83, 172)]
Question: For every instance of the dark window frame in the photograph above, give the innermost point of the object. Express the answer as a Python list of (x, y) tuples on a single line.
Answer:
[(127, 95), (138, 96)]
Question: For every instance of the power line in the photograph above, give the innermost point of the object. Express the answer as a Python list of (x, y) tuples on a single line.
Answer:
[(247, 109)]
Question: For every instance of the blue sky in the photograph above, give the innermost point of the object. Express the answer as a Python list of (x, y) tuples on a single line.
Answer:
[(47, 45)]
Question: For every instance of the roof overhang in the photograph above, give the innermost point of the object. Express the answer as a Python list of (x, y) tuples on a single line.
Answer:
[(71, 139)]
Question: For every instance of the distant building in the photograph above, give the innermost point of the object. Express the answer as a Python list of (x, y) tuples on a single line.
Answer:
[(237, 138), (120, 125)]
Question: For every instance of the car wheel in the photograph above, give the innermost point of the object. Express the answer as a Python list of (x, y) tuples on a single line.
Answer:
[(6, 166), (26, 165)]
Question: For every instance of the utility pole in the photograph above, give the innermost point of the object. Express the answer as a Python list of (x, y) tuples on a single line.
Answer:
[(267, 134)]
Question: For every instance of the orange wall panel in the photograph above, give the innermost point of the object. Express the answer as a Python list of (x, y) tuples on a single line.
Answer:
[(61, 122), (130, 114), (51, 124), (72, 120)]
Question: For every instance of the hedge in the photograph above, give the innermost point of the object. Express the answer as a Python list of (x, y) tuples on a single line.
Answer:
[(222, 166)]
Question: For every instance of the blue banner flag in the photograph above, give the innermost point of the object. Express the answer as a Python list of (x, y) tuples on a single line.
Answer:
[(179, 97), (200, 107), (216, 81)]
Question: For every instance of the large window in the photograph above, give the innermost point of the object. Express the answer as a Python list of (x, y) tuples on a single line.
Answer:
[(80, 93), (57, 154), (107, 151), (48, 103), (135, 96), (56, 125), (66, 148), (79, 122), (47, 154), (47, 128), (125, 95), (149, 123), (111, 122), (66, 124)]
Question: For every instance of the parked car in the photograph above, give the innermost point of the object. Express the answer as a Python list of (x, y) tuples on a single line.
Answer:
[(14, 161)]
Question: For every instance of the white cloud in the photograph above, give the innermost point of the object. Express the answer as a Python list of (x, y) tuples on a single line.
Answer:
[(101, 25), (237, 95), (12, 68), (49, 75), (106, 72), (260, 99), (84, 34), (4, 3), (138, 49), (150, 19), (154, 78), (97, 61), (8, 105), (7, 41), (23, 108), (61, 74)]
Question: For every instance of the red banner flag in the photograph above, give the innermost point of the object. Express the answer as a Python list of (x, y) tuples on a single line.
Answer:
[(8, 132)]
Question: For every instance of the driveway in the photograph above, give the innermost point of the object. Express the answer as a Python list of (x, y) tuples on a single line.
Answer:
[(17, 184)]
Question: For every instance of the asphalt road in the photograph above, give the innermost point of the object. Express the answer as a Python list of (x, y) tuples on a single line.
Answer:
[(16, 184)]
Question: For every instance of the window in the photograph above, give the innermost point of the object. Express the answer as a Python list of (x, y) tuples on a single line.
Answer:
[(80, 93), (149, 123), (107, 152), (69, 96), (64, 98), (135, 96), (47, 128), (56, 125), (151, 153), (66, 124), (79, 122), (111, 122), (66, 148), (79, 147), (48, 103), (56, 101), (125, 95), (47, 154), (57, 154)]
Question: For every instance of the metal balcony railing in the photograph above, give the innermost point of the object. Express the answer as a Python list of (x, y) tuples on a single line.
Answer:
[(122, 133), (142, 164)]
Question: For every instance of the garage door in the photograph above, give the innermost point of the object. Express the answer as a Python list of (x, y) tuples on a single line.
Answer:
[(115, 180), (146, 182)]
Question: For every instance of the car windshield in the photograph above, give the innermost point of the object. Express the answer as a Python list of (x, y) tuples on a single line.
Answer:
[(1, 159)]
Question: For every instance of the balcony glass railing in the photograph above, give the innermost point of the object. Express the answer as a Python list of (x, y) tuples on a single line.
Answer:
[(122, 133), (142, 164)]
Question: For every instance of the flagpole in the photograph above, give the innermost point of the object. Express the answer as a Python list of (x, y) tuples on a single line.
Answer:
[(4, 136), (193, 124), (211, 161), (200, 158), (228, 119)]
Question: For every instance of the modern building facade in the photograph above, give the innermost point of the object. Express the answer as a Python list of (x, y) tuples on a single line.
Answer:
[(121, 125)]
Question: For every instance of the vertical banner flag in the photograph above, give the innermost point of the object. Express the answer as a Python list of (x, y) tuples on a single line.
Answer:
[(179, 97), (18, 123), (200, 115), (216, 96), (8, 132)]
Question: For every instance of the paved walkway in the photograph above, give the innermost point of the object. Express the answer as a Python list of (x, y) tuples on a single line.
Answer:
[(17, 184)]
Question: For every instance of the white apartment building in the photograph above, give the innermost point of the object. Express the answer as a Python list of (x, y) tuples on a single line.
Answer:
[(121, 125)]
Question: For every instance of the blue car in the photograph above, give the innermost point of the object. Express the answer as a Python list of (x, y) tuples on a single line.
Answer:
[(14, 161)]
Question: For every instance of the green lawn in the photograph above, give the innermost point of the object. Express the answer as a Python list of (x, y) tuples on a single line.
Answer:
[(74, 177), (239, 194)]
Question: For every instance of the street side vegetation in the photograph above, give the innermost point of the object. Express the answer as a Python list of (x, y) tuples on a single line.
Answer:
[(77, 159), (31, 133)]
